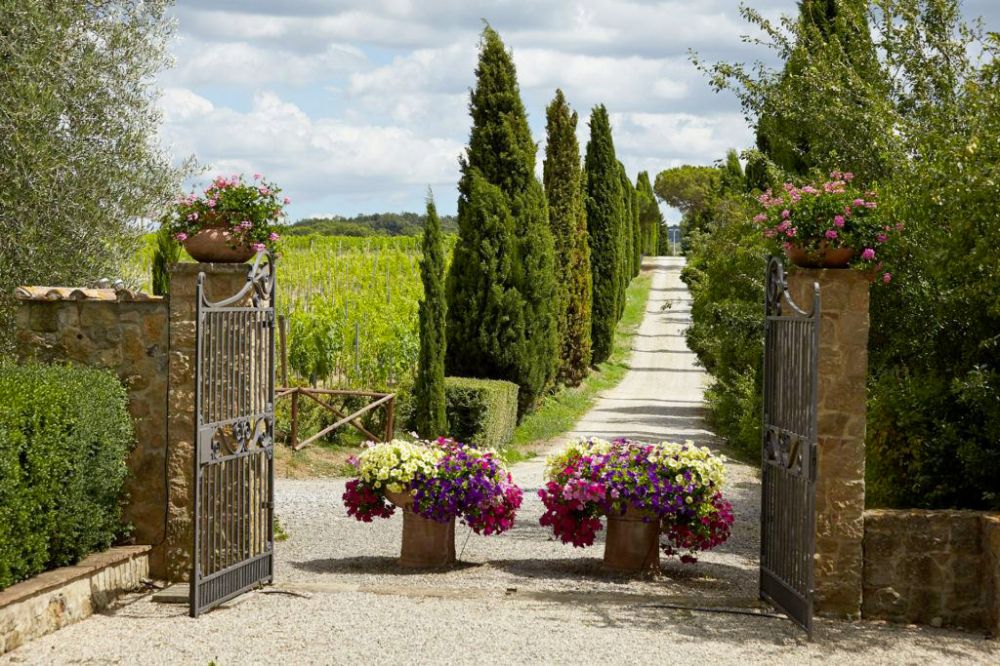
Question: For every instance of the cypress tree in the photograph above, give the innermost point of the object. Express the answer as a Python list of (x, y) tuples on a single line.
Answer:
[(636, 232), (626, 234), (650, 218), (501, 285), (168, 251), (605, 215), (563, 178), (429, 390)]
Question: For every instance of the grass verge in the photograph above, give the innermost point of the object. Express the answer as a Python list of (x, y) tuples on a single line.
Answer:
[(560, 411)]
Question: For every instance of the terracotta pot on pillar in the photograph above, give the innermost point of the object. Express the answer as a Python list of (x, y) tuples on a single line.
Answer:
[(822, 257), (633, 543), (426, 543)]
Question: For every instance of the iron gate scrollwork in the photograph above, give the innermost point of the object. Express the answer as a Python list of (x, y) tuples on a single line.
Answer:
[(234, 440), (788, 487)]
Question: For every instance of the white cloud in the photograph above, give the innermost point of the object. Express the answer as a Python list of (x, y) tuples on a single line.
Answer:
[(311, 158)]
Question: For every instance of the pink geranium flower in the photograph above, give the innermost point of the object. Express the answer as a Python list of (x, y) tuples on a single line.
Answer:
[(868, 254), (831, 234)]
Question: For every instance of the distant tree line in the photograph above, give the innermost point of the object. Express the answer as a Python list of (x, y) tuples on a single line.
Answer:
[(370, 224)]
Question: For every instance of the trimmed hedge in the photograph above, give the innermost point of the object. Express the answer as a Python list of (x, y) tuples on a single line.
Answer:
[(65, 433), (482, 412)]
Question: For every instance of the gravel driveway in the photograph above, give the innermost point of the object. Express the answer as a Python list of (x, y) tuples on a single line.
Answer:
[(521, 597)]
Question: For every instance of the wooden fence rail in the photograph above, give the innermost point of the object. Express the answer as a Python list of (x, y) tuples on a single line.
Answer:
[(386, 401)]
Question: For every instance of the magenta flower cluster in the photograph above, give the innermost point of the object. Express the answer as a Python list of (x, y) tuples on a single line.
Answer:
[(679, 485), (250, 211), (467, 483), (830, 214), (471, 485)]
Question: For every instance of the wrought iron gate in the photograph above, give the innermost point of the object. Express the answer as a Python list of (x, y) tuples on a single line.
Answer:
[(788, 489), (234, 440)]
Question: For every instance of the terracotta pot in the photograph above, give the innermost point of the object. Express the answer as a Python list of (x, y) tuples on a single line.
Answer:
[(214, 245), (822, 257), (633, 544), (426, 543)]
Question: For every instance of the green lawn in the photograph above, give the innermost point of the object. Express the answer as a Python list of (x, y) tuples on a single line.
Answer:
[(559, 412)]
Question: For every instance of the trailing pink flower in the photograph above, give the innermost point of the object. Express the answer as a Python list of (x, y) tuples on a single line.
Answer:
[(838, 220), (181, 236), (831, 234), (868, 254)]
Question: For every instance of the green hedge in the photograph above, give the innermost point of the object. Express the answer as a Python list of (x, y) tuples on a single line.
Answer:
[(64, 435), (482, 412)]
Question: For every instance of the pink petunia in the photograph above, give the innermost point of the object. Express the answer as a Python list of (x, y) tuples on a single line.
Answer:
[(258, 247), (831, 234), (181, 236), (868, 254), (273, 236), (838, 220)]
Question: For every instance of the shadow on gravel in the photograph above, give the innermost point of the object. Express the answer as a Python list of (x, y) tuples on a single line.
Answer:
[(704, 577), (371, 565)]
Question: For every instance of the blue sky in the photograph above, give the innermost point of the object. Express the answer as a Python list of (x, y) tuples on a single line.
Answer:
[(358, 106)]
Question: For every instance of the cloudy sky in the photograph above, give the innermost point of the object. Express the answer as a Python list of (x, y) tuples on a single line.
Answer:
[(358, 106)]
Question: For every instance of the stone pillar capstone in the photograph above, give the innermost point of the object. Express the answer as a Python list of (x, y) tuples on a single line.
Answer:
[(840, 478)]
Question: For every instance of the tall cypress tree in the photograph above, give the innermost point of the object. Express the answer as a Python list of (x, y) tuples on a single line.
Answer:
[(429, 390), (563, 178), (636, 233), (605, 216), (626, 232), (501, 285), (650, 218)]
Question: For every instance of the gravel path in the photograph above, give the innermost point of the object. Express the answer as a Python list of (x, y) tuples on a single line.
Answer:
[(521, 597)]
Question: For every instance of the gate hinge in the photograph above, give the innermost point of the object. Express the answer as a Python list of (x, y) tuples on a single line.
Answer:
[(812, 462)]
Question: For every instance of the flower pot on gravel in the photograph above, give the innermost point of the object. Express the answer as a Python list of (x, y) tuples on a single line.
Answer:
[(434, 483), (656, 496), (426, 543), (633, 542)]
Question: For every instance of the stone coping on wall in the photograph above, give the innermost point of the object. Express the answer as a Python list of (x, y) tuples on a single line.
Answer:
[(109, 295), (54, 599)]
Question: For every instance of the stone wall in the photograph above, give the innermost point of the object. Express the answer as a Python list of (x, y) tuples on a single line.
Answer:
[(56, 598), (127, 333), (840, 478), (940, 568)]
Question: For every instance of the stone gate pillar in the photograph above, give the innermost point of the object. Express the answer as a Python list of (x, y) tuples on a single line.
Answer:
[(840, 479), (221, 281)]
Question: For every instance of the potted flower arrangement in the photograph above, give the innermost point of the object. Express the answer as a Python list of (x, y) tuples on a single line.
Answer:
[(230, 221), (832, 224), (656, 497), (433, 482)]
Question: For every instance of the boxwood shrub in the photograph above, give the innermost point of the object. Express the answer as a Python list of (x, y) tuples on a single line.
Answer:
[(65, 433), (482, 412)]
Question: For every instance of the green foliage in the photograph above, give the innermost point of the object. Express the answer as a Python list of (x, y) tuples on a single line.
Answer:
[(482, 412), (827, 108), (65, 433), (563, 178), (168, 251), (725, 275), (501, 285), (331, 289), (78, 159), (370, 224), (429, 389), (605, 219), (933, 417), (650, 218)]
